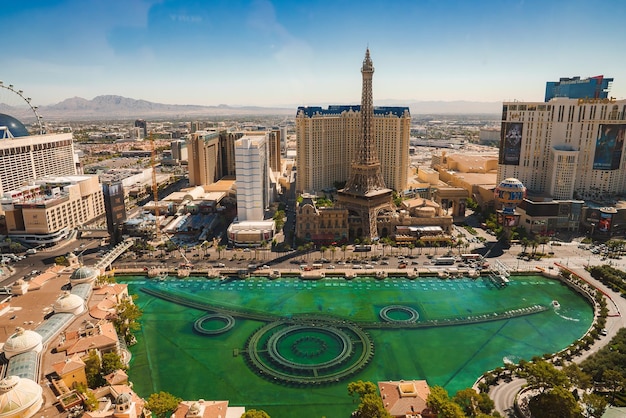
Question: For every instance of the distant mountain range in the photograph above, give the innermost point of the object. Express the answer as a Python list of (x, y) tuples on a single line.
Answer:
[(110, 107)]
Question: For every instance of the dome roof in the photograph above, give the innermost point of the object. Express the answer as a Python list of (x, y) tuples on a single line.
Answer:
[(23, 340), (68, 302), (123, 398), (84, 273), (512, 184), (19, 397), (16, 127)]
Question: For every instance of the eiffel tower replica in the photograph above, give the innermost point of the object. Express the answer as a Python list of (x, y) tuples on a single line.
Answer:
[(365, 194)]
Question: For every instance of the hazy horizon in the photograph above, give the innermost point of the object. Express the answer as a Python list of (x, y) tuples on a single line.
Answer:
[(282, 53)]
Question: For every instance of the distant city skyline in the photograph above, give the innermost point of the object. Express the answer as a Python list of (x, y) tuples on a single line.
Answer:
[(282, 53)]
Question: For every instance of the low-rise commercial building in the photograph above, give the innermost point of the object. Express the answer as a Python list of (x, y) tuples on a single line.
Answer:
[(45, 212)]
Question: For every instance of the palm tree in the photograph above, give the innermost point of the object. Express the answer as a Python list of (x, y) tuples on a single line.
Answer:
[(323, 249), (219, 249), (344, 247), (411, 247), (162, 247), (308, 247), (333, 249), (385, 243), (534, 244), (459, 243), (436, 245), (205, 246), (543, 241), (525, 244), (420, 244)]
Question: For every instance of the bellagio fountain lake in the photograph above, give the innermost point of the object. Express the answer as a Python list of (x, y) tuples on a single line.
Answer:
[(287, 344)]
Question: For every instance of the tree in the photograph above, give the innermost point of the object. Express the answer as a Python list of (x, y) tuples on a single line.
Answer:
[(578, 378), (439, 401), (613, 380), (594, 405), (333, 250), (437, 397), (162, 404), (361, 388), (556, 403), (279, 219), (543, 376), (371, 405), (255, 413), (220, 248), (90, 400), (467, 399), (472, 403), (127, 317), (111, 361), (93, 366)]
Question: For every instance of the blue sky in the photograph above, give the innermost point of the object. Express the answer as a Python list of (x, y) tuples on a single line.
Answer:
[(288, 52)]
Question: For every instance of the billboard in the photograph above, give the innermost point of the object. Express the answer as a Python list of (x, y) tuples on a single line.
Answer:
[(605, 222), (507, 220), (510, 143), (609, 145)]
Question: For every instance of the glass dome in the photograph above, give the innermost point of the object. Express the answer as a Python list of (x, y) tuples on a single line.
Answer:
[(68, 303), (22, 341), (83, 273), (19, 397), (16, 127)]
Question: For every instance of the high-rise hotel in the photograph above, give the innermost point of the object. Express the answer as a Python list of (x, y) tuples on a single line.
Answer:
[(24, 159), (327, 141), (565, 148)]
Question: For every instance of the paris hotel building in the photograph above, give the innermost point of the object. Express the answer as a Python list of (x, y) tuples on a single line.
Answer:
[(327, 142)]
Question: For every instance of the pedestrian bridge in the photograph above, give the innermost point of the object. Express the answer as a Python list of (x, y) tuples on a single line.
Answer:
[(108, 258)]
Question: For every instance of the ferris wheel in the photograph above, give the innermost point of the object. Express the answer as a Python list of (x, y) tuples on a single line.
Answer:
[(15, 103)]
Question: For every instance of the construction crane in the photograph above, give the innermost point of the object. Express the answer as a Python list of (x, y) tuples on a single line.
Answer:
[(155, 188)]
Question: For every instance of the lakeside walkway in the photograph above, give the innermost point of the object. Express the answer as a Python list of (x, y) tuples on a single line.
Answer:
[(504, 393)]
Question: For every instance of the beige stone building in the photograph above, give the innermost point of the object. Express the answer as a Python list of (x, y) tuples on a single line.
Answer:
[(71, 371), (211, 156), (327, 142), (45, 212), (565, 148), (475, 173), (323, 225)]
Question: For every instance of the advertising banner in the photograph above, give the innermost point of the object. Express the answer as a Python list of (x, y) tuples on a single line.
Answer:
[(605, 222), (510, 143), (507, 220), (609, 145)]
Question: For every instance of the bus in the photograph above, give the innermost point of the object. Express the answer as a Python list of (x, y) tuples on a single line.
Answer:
[(444, 261), (471, 256), (362, 248)]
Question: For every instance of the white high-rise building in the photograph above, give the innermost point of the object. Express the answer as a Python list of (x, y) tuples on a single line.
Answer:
[(253, 179), (565, 148), (27, 158)]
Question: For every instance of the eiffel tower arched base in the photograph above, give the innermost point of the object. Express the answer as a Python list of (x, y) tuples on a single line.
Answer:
[(367, 207)]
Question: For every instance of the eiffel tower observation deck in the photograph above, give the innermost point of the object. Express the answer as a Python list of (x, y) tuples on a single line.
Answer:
[(365, 194)]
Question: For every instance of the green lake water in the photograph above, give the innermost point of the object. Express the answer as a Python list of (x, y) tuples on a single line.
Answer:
[(171, 356)]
